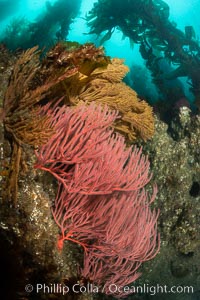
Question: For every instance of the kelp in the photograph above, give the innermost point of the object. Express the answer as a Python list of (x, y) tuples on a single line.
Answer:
[(147, 23)]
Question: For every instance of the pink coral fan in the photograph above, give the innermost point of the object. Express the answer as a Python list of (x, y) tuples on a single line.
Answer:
[(101, 202)]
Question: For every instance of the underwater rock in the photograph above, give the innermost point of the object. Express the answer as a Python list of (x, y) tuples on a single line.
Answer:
[(28, 232), (176, 168)]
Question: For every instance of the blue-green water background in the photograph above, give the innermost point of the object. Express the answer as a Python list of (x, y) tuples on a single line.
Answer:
[(182, 12)]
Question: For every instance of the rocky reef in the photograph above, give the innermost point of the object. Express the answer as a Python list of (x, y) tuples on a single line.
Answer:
[(29, 234), (174, 153)]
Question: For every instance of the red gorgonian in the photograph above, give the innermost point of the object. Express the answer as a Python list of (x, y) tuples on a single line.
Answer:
[(101, 202)]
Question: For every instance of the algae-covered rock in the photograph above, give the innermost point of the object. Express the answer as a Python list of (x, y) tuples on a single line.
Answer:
[(175, 163), (29, 234)]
